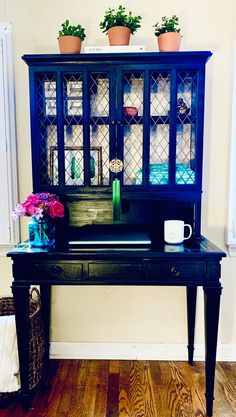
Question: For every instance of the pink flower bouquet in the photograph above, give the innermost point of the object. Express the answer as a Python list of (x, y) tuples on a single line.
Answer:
[(40, 206)]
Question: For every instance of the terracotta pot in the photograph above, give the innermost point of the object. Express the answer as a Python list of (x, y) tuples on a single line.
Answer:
[(119, 35), (69, 44), (169, 42)]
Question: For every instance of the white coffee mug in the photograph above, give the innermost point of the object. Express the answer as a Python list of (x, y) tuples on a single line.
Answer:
[(174, 231)]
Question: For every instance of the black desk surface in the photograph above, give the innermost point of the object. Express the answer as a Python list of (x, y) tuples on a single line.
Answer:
[(198, 248)]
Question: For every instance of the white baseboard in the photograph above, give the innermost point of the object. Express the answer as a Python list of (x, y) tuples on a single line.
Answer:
[(141, 351)]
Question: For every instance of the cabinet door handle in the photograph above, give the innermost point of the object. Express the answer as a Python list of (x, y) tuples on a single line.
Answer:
[(56, 270), (175, 271)]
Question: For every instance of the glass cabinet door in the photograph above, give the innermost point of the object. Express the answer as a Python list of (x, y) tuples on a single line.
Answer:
[(164, 132), (83, 139), (86, 128), (173, 128), (60, 128)]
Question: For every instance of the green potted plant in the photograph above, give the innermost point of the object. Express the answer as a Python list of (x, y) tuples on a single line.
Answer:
[(70, 38), (168, 35), (119, 25)]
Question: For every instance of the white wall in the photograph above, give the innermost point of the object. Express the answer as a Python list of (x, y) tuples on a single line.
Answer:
[(151, 315)]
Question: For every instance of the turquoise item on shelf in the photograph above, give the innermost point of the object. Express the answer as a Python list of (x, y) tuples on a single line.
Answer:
[(92, 167), (41, 233), (159, 174), (75, 169)]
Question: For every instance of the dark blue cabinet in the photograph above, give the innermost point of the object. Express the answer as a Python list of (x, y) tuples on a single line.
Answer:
[(145, 109)]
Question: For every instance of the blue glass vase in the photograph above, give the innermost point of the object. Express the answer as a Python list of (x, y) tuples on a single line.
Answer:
[(41, 233)]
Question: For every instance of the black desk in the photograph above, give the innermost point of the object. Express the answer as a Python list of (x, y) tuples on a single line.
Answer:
[(192, 265)]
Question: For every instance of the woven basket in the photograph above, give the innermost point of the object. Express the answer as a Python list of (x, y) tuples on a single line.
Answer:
[(36, 335)]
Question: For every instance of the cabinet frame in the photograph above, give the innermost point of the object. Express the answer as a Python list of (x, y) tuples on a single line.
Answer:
[(115, 66)]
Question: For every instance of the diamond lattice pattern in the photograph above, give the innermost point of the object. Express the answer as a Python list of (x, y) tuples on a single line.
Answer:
[(133, 150), (47, 129), (73, 129), (160, 94), (99, 129), (133, 129), (159, 131), (185, 144), (133, 91), (159, 147)]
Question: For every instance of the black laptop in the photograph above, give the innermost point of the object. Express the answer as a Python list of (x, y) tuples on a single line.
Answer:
[(115, 236)]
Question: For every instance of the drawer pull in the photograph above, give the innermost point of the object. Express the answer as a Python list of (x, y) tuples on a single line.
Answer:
[(56, 270), (175, 271)]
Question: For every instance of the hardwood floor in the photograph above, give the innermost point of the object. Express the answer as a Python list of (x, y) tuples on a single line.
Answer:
[(93, 388)]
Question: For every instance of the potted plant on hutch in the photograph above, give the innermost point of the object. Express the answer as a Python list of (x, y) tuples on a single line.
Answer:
[(168, 35), (119, 25), (70, 38)]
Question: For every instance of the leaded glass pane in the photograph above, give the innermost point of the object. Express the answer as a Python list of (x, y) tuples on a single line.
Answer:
[(160, 94), (133, 151), (50, 98), (159, 129), (186, 127), (99, 128), (47, 128), (73, 129), (159, 154), (132, 95), (99, 94), (133, 85), (99, 155)]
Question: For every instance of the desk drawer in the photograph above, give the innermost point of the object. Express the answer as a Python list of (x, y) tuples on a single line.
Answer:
[(152, 272), (178, 271), (49, 270), (113, 270)]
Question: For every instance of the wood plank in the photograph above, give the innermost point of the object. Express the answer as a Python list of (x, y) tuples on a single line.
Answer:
[(130, 389), (125, 404), (101, 401), (113, 396), (158, 372), (141, 393)]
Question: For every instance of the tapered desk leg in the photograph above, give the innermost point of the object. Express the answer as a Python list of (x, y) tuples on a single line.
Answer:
[(21, 302), (45, 292), (191, 316), (212, 308)]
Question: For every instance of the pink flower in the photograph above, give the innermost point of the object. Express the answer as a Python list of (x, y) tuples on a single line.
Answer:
[(38, 213), (39, 205), (30, 203), (30, 209), (56, 209), (18, 212)]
